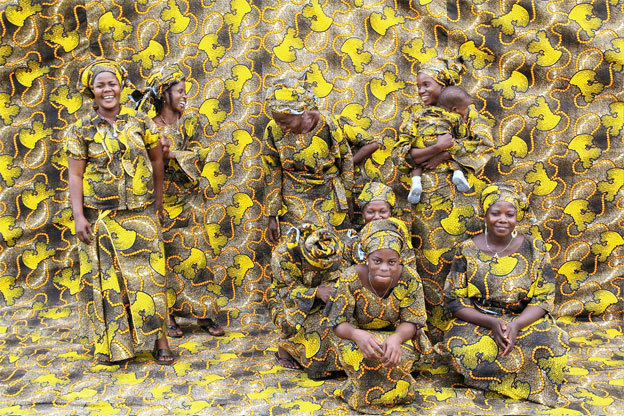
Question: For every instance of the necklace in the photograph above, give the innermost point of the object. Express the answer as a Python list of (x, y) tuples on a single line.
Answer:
[(496, 252), (164, 121), (375, 290)]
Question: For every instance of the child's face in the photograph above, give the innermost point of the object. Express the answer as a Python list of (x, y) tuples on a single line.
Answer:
[(462, 111), (428, 89)]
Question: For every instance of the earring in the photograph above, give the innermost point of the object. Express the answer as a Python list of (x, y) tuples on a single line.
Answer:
[(485, 227), (514, 234)]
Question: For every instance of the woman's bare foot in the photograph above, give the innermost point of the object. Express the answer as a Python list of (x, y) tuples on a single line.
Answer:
[(286, 360)]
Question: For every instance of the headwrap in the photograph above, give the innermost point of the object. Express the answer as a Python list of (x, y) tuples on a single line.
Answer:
[(88, 74), (159, 81), (389, 233), (376, 191), (320, 246), (290, 96), (504, 191), (444, 72)]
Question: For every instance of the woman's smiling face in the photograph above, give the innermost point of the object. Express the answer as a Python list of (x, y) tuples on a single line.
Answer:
[(106, 91), (428, 89)]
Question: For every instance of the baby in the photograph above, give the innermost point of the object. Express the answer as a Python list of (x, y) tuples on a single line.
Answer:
[(447, 117)]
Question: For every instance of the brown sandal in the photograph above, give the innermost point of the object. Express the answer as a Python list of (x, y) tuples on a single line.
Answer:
[(212, 328), (161, 356)]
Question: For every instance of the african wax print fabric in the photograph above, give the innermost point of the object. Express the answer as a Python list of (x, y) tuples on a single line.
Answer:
[(370, 387), (122, 300), (191, 290), (503, 287), (296, 311), (123, 306), (444, 71), (376, 191), (88, 74), (444, 216), (507, 192), (367, 170), (308, 176), (118, 173), (291, 96), (432, 122)]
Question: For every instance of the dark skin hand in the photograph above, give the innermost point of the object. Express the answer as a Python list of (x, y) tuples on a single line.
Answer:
[(324, 293), (365, 152), (82, 227), (273, 232), (389, 352), (445, 141), (504, 334)]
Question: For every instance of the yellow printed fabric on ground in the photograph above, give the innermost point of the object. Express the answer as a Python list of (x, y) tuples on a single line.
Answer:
[(191, 289), (308, 176), (444, 216), (504, 286), (123, 306), (370, 387)]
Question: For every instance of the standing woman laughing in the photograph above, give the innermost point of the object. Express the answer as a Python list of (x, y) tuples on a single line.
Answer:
[(190, 283), (115, 187)]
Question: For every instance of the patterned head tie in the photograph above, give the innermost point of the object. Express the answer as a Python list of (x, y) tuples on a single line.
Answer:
[(445, 72), (504, 191), (376, 191), (88, 74), (320, 247), (389, 233), (159, 81), (290, 96)]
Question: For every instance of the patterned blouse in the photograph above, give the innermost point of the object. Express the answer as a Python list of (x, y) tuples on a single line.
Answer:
[(118, 172), (356, 304), (501, 285), (315, 158)]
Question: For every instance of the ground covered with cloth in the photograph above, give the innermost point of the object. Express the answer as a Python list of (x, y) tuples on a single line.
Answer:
[(46, 370)]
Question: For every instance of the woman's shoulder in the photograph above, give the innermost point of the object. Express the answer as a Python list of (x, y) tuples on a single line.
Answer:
[(534, 245), (350, 278)]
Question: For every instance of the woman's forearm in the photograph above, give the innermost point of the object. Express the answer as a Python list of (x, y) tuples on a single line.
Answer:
[(475, 317), (529, 315), (365, 152), (346, 331), (76, 173), (405, 331), (156, 159)]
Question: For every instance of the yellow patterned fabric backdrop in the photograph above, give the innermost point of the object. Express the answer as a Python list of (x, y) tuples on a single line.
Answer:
[(548, 74)]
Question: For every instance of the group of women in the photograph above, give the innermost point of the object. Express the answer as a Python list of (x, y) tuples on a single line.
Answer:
[(362, 302)]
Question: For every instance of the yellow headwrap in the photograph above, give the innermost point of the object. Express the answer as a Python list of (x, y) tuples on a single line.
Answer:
[(290, 96), (389, 233), (88, 74), (320, 247), (504, 191), (445, 72), (376, 191), (159, 81)]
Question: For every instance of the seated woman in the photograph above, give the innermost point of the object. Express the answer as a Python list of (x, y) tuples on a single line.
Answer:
[(305, 265), (374, 313), (501, 289), (191, 289)]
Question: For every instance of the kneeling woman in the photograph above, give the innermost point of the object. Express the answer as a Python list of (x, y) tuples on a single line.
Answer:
[(501, 290), (305, 266), (375, 312)]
